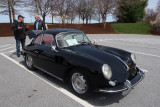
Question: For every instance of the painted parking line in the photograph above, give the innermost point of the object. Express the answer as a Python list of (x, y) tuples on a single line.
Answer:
[(7, 48), (146, 54), (134, 41), (14, 50), (133, 45), (72, 96), (2, 46), (144, 70), (101, 40)]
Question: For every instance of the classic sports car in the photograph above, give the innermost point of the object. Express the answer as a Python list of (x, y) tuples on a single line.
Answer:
[(68, 55)]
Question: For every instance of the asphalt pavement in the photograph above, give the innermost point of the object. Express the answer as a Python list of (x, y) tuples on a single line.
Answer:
[(20, 87)]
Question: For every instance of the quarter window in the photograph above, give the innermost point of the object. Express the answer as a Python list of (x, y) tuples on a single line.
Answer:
[(48, 40), (38, 40)]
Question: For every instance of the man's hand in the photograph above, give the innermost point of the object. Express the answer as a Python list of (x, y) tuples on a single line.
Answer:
[(20, 27)]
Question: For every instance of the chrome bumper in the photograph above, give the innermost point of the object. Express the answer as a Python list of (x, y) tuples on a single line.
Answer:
[(125, 87)]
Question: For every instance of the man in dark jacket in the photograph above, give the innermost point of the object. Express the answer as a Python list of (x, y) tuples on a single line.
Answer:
[(39, 24), (19, 33)]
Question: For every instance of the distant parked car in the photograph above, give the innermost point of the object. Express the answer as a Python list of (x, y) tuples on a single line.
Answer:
[(67, 54)]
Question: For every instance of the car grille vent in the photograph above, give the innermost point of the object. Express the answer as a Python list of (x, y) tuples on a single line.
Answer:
[(133, 71)]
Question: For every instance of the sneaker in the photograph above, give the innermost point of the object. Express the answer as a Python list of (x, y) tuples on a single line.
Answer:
[(18, 55)]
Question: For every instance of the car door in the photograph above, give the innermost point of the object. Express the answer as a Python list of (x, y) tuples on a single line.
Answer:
[(47, 58), (36, 48)]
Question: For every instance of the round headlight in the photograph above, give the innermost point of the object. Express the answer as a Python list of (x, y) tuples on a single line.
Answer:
[(133, 56), (107, 71)]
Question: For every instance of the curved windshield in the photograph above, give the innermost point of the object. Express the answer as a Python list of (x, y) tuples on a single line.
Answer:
[(71, 38)]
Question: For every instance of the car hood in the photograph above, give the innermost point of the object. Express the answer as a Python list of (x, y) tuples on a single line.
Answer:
[(105, 55), (122, 54)]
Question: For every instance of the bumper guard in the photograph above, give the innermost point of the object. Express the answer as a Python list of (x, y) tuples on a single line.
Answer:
[(127, 86)]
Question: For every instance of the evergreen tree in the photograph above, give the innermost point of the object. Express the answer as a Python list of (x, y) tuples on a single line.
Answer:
[(131, 11)]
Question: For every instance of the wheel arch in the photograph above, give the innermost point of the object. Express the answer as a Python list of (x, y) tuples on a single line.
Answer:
[(88, 73)]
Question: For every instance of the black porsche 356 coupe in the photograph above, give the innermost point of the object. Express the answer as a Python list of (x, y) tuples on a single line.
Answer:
[(68, 55)]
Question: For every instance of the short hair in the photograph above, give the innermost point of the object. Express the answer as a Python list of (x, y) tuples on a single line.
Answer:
[(37, 16)]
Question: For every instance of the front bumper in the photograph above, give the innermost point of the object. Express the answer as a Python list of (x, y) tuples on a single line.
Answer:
[(126, 86)]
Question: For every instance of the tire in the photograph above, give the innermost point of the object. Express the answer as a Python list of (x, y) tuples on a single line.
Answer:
[(80, 84), (29, 62)]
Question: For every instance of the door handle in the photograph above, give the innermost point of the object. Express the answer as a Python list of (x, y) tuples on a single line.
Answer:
[(36, 52)]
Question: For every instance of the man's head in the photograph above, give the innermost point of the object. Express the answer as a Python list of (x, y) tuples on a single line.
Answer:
[(20, 18), (37, 17)]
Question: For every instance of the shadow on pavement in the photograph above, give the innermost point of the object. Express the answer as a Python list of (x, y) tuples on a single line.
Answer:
[(13, 55)]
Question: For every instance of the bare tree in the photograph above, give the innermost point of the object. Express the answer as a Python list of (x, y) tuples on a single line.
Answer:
[(82, 9), (85, 9), (98, 11), (105, 7), (72, 16), (12, 8), (90, 10), (79, 8), (72, 13), (42, 7), (63, 8), (14, 5), (150, 15), (52, 15), (53, 9), (6, 8), (9, 11), (31, 13), (158, 6)]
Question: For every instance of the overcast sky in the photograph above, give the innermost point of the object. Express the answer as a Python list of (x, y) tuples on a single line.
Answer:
[(5, 19)]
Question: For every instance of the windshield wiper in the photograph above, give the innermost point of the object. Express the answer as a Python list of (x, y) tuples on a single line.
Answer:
[(83, 42)]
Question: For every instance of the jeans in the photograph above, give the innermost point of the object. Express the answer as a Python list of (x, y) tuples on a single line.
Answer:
[(22, 41)]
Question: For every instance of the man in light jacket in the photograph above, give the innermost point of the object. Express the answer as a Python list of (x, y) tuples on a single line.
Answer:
[(39, 24)]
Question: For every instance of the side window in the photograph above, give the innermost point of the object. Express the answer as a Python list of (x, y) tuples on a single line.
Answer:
[(38, 40), (48, 40)]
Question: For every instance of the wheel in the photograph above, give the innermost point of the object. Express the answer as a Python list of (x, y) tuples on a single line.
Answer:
[(29, 61), (80, 84)]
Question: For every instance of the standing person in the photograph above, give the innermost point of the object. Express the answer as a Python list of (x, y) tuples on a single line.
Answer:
[(19, 33), (39, 24)]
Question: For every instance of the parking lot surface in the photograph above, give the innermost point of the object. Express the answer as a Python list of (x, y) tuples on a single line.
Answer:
[(20, 87)]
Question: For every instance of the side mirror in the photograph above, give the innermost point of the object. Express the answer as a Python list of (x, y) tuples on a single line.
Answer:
[(54, 48)]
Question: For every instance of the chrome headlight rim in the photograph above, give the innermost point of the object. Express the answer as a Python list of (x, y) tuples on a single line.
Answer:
[(107, 72), (133, 57)]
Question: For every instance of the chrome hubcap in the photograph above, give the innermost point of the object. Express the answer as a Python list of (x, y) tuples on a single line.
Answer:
[(79, 83), (29, 61)]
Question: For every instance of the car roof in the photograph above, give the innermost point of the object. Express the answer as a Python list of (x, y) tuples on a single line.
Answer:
[(54, 32)]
